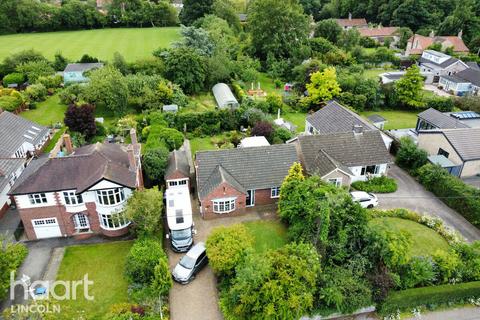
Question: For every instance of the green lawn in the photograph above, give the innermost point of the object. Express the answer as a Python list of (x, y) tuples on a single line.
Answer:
[(104, 264), (266, 84), (48, 112), (268, 234), (132, 43), (396, 119), (373, 73), (202, 144), (297, 118), (200, 103), (425, 241)]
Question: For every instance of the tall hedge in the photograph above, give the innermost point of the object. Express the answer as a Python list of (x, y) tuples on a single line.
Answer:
[(206, 123)]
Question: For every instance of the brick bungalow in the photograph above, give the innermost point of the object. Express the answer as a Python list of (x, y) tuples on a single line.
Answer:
[(81, 193), (230, 181)]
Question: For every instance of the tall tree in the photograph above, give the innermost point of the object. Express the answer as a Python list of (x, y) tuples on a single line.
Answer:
[(195, 9), (328, 29), (409, 88), (187, 68), (81, 119), (323, 86)]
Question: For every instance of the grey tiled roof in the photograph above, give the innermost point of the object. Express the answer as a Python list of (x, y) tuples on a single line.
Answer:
[(323, 153), (7, 167), (177, 160), (442, 65), (440, 120), (15, 130), (79, 171), (465, 141), (82, 67), (248, 168), (336, 118), (470, 75)]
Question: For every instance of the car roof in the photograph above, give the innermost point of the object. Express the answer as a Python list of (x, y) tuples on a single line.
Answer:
[(359, 194), (196, 250)]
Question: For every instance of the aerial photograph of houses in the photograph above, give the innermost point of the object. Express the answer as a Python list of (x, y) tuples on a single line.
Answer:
[(239, 160)]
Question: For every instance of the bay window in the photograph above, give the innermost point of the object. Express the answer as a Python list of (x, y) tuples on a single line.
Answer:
[(110, 197), (72, 199), (114, 220), (223, 205)]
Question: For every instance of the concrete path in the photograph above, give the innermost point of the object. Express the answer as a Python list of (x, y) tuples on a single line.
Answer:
[(412, 195), (468, 313), (54, 264)]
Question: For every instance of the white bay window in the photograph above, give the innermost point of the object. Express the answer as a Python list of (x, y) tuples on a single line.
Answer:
[(110, 197), (223, 205)]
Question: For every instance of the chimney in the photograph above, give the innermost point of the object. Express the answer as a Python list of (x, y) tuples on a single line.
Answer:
[(432, 34), (349, 16), (357, 129), (460, 34), (132, 161), (67, 142), (133, 136)]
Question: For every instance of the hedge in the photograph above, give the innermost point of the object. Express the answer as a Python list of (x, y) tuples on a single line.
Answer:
[(427, 296), (205, 123), (381, 184)]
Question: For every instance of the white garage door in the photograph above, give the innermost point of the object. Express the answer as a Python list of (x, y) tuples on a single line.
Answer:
[(46, 228)]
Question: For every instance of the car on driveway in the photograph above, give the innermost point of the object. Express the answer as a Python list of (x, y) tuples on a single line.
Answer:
[(365, 199), (190, 264)]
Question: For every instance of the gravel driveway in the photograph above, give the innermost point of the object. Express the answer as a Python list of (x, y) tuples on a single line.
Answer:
[(199, 299), (411, 195)]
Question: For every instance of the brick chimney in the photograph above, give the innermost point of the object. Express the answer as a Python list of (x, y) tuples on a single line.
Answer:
[(133, 136), (132, 159), (460, 34), (357, 129), (67, 142), (349, 16)]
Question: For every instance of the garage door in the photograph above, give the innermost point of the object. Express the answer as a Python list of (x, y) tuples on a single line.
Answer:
[(46, 228)]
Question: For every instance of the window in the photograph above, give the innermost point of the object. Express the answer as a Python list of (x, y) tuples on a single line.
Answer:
[(110, 197), (275, 192), (113, 220), (177, 183), (443, 153), (72, 199), (81, 222), (370, 170), (223, 205), (37, 198), (337, 182)]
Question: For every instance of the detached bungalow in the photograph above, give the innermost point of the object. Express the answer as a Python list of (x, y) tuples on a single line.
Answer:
[(74, 72), (352, 23), (463, 83), (439, 64)]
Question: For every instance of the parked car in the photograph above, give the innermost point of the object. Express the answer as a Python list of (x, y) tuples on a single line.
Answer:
[(365, 199), (190, 264)]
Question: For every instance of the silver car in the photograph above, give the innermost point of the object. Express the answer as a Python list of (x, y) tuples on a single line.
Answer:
[(190, 264)]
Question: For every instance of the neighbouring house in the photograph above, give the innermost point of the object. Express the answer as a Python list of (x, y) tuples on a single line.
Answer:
[(179, 171), (378, 121), (463, 83), (352, 23), (75, 72), (224, 96), (20, 139), (335, 118), (257, 141), (380, 34), (346, 157), (230, 181), (80, 194), (459, 146), (417, 44), (432, 119), (440, 64), (394, 76)]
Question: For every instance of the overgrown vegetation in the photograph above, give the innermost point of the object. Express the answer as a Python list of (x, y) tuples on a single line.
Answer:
[(381, 184)]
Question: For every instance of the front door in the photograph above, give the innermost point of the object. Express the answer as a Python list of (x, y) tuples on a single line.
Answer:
[(250, 198)]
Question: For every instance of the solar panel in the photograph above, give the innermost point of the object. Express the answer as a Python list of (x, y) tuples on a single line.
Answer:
[(466, 115)]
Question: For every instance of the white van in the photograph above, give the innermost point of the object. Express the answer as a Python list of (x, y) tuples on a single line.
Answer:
[(179, 218)]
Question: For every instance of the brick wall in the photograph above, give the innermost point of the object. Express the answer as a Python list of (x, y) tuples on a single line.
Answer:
[(263, 197), (224, 190), (3, 210)]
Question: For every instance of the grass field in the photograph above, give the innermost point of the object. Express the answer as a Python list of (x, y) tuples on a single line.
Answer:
[(297, 118), (396, 119), (48, 112), (267, 234), (104, 264), (425, 241), (373, 73), (132, 43)]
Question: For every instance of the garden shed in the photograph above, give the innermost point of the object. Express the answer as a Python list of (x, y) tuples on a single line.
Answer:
[(170, 108), (224, 96)]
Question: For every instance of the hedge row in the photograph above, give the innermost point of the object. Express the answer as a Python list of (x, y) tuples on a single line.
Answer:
[(381, 184), (206, 123), (428, 296)]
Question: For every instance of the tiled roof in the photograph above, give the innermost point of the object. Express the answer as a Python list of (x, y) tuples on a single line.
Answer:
[(323, 153), (470, 75), (440, 120), (465, 141), (177, 160), (424, 42), (247, 168), (457, 43), (336, 118), (352, 22), (377, 32), (15, 130), (7, 167), (442, 65), (79, 171), (82, 67)]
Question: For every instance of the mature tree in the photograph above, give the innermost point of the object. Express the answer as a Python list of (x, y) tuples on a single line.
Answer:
[(323, 86), (312, 7), (195, 9), (405, 33), (225, 10), (143, 209), (465, 19), (35, 69), (409, 88), (142, 259), (81, 119), (187, 68), (409, 156), (155, 162), (414, 14), (349, 39), (196, 39), (227, 248), (107, 87), (283, 287), (329, 29), (277, 27)]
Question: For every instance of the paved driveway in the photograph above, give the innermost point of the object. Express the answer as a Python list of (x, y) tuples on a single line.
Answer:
[(199, 299), (413, 196)]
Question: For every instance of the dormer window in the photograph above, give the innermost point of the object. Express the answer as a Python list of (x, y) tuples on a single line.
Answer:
[(72, 199)]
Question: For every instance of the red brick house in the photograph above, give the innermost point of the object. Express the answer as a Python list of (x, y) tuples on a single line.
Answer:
[(230, 181), (79, 194)]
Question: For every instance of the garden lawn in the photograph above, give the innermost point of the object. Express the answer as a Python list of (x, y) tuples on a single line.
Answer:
[(373, 73), (202, 144), (266, 84), (268, 234), (48, 112), (104, 264), (425, 241), (200, 103), (132, 43), (297, 118), (396, 119)]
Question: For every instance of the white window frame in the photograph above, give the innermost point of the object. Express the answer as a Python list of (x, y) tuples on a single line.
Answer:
[(275, 192), (365, 173), (176, 183), (37, 198), (337, 182), (108, 222), (71, 198), (110, 197), (224, 205), (81, 222)]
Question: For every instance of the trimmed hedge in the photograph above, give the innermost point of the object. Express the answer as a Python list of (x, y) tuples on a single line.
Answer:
[(381, 184), (411, 298)]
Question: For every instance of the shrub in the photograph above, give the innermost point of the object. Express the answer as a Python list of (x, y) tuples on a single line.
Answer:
[(227, 248), (12, 256), (409, 156), (71, 94), (411, 298), (282, 134), (12, 78), (381, 184), (10, 99), (418, 272), (35, 69), (143, 209), (141, 261), (441, 104), (447, 266), (81, 119), (263, 128), (162, 280), (155, 162), (36, 92), (51, 82)]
